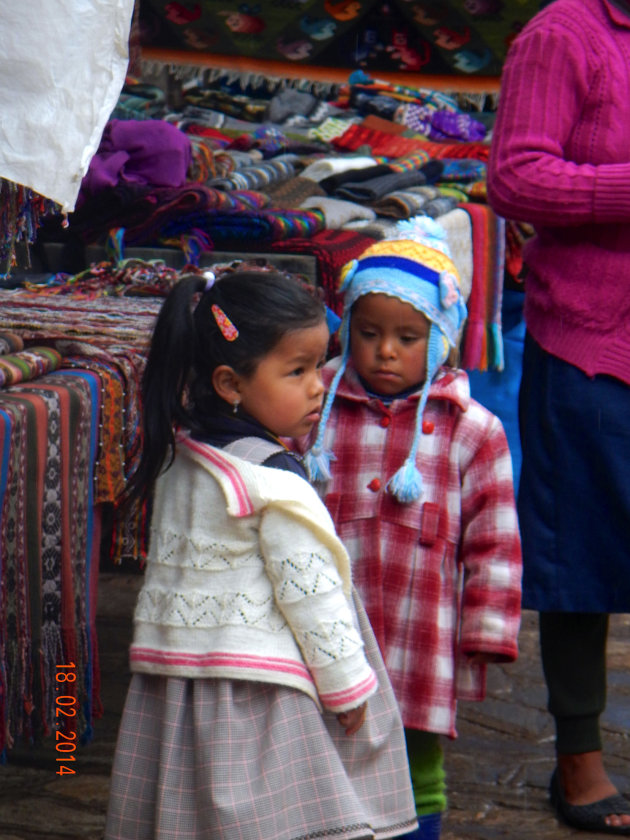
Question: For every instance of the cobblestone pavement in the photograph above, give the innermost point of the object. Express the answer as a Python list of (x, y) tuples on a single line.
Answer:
[(498, 768)]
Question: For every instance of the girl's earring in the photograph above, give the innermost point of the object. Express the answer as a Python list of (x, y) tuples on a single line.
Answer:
[(235, 406)]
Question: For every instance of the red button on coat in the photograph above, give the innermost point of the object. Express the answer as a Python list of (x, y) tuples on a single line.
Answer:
[(375, 485), (428, 427), (385, 421)]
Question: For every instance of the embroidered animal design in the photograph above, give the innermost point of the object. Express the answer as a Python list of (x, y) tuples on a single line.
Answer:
[(408, 57), (180, 14), (199, 40), (320, 29), (427, 15), (449, 39), (295, 50), (368, 45), (243, 22), (342, 9), (469, 61)]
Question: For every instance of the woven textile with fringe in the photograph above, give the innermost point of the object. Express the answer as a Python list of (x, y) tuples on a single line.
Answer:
[(70, 440), (48, 431), (482, 346), (109, 341)]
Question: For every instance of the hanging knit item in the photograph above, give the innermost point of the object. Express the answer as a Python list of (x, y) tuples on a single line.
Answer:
[(482, 346)]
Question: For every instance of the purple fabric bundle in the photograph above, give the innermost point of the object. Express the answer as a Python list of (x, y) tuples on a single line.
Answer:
[(441, 125), (144, 152)]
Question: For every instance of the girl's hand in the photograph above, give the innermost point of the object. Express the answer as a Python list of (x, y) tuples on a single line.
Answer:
[(353, 719)]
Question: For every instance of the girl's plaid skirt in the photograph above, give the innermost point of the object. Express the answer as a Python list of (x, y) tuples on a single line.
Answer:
[(237, 760)]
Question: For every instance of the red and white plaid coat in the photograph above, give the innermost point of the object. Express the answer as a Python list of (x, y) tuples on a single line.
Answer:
[(440, 577)]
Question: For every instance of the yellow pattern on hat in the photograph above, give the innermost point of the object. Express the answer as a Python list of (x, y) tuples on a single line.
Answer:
[(416, 251)]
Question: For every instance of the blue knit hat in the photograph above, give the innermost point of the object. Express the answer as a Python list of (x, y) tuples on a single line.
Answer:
[(413, 265)]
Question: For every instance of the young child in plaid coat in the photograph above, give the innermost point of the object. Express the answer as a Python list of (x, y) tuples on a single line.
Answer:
[(418, 479)]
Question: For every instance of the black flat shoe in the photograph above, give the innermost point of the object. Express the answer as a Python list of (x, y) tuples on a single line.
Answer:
[(591, 817)]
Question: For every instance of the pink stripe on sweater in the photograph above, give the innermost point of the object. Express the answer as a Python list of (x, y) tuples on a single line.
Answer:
[(339, 698), (231, 473), (219, 660)]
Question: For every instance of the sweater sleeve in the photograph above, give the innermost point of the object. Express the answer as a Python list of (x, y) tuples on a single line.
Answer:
[(309, 592), (490, 550), (550, 85)]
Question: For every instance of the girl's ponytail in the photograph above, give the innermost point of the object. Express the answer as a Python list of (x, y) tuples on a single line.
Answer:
[(167, 373)]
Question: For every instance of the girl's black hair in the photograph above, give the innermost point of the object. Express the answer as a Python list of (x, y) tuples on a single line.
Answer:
[(187, 345)]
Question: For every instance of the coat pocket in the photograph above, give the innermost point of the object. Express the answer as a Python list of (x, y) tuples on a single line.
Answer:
[(427, 519)]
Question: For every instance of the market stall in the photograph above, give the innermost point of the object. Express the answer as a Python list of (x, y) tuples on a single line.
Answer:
[(203, 156)]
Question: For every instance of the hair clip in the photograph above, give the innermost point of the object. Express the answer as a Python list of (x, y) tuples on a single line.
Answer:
[(228, 330), (210, 277)]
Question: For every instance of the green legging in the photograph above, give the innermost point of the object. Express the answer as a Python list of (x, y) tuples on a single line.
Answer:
[(426, 766), (573, 651)]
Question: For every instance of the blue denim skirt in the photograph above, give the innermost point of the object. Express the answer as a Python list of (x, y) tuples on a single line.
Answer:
[(574, 491)]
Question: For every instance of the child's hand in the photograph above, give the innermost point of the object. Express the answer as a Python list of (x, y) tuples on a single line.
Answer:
[(482, 658), (353, 719)]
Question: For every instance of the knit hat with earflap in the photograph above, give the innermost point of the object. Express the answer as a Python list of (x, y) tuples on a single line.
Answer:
[(413, 265)]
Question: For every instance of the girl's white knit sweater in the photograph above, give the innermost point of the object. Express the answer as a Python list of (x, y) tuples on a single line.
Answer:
[(246, 579)]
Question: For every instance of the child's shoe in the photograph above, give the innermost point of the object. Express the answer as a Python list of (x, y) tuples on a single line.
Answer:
[(429, 827)]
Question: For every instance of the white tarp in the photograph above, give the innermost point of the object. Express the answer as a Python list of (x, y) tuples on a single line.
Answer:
[(62, 67)]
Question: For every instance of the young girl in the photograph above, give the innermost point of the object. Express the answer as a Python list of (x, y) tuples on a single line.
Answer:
[(255, 712), (418, 480)]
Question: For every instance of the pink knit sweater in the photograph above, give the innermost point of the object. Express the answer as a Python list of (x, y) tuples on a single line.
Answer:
[(560, 159)]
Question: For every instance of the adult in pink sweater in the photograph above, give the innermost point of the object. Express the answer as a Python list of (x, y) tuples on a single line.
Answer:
[(560, 160)]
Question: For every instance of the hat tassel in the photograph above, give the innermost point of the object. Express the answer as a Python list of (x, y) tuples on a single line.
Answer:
[(317, 463), (317, 459), (406, 483)]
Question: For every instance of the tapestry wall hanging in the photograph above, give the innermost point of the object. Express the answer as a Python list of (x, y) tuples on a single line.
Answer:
[(432, 37)]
